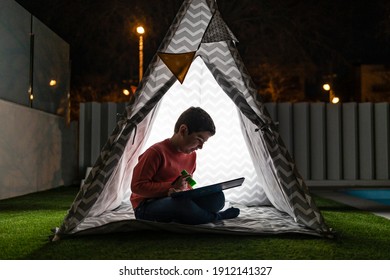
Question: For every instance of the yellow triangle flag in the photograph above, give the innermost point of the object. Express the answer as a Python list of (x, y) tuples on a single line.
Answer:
[(178, 63)]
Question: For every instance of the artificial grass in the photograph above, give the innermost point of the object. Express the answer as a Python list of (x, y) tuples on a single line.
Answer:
[(26, 222)]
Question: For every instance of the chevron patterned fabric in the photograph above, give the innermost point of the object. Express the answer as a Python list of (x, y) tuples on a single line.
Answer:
[(225, 156), (252, 221), (246, 143)]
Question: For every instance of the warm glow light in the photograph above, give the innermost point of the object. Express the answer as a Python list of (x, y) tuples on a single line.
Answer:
[(31, 97), (209, 95), (335, 100), (52, 83), (126, 92), (326, 87), (140, 30)]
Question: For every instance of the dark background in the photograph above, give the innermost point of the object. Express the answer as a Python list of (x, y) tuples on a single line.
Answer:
[(285, 41)]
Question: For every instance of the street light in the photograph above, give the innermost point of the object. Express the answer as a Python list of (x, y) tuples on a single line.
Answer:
[(332, 98), (141, 31), (326, 87), (335, 100)]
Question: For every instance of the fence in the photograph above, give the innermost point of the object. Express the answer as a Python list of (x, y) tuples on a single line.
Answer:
[(346, 144)]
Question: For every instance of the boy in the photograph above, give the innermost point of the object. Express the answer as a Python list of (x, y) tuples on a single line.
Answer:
[(158, 174)]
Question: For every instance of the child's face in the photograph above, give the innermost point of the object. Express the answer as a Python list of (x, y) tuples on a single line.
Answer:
[(192, 142)]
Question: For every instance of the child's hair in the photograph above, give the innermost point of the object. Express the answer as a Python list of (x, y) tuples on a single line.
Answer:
[(196, 119)]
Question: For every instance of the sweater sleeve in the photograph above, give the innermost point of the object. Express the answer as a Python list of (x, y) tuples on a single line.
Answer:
[(143, 183)]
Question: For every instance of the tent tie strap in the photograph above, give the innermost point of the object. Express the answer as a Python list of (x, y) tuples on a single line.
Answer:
[(266, 129), (123, 122), (135, 133)]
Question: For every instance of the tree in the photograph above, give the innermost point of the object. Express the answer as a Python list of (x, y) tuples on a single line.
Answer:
[(315, 37), (284, 43)]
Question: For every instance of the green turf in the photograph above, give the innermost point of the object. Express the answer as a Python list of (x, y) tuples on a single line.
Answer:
[(25, 224)]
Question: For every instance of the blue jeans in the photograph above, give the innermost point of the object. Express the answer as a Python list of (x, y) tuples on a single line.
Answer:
[(182, 210)]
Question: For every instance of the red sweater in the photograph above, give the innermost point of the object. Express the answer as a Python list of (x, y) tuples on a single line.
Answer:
[(156, 169)]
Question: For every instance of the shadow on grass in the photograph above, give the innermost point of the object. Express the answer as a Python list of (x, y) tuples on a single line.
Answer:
[(351, 243), (58, 198), (150, 245)]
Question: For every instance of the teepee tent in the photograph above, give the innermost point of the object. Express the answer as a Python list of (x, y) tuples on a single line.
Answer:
[(198, 65)]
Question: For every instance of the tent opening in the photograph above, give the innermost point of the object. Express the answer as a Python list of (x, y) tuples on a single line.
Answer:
[(225, 156)]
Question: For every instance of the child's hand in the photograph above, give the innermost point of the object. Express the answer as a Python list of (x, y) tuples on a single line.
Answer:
[(173, 190), (181, 182)]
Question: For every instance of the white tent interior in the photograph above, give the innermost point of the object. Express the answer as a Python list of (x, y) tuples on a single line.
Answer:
[(274, 198), (225, 156)]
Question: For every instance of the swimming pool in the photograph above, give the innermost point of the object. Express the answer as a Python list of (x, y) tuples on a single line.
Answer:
[(377, 195)]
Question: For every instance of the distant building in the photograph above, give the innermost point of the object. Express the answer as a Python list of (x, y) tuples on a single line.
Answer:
[(374, 83)]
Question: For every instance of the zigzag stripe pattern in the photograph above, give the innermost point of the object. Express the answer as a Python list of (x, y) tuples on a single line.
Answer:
[(190, 31), (292, 183), (226, 66), (184, 35), (283, 163), (122, 220), (153, 87), (225, 156), (96, 180), (290, 179)]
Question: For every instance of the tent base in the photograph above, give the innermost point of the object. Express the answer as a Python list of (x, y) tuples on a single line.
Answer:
[(264, 220)]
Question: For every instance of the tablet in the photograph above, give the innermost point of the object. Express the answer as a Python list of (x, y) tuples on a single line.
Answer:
[(203, 191)]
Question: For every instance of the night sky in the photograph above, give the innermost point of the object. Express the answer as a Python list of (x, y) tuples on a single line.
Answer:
[(333, 35)]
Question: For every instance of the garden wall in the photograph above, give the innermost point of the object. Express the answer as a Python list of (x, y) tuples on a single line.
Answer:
[(38, 151)]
